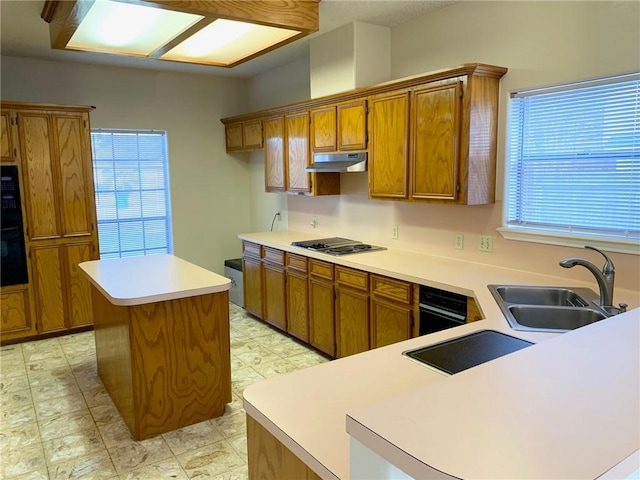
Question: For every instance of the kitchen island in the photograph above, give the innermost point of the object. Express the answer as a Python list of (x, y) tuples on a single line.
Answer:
[(162, 340), (378, 394)]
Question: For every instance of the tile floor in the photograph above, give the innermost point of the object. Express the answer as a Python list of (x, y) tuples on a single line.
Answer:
[(57, 420)]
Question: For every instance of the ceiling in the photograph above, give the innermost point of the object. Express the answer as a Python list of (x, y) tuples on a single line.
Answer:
[(24, 34)]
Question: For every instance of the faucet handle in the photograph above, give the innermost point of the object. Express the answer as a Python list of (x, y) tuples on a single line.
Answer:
[(608, 266)]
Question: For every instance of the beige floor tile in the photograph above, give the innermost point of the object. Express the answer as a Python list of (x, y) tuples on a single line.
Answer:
[(66, 424), (239, 444), (252, 353), (41, 474), (241, 379), (52, 390), (22, 460), (10, 353), (133, 456), (49, 363), (308, 359), (210, 461), (95, 466), (41, 350), (17, 416), (18, 398), (13, 381), (275, 368), (116, 434), (19, 437), (282, 346), (60, 375), (230, 425), (70, 447), (192, 437), (240, 473), (235, 405), (97, 396), (60, 406), (167, 469), (105, 414)]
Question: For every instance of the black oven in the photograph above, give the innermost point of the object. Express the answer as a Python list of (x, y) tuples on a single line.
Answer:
[(440, 310), (13, 259)]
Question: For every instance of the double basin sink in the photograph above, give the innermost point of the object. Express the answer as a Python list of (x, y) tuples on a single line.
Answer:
[(547, 309)]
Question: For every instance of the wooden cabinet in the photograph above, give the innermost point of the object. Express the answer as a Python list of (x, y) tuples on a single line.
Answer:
[(244, 136), (389, 146), (274, 278), (252, 278), (16, 322), (53, 147), (339, 128), (274, 155), (321, 306), (297, 134), (391, 311), (8, 136), (473, 312), (297, 297), (352, 311)]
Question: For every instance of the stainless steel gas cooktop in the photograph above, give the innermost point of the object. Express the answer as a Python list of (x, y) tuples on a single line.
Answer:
[(337, 246)]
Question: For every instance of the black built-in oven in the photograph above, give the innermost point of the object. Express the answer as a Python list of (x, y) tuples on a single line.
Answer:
[(440, 310), (13, 259)]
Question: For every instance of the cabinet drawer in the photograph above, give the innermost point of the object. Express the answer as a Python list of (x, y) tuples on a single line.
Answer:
[(273, 255), (321, 269), (395, 290), (352, 278), (296, 262), (14, 312), (251, 249)]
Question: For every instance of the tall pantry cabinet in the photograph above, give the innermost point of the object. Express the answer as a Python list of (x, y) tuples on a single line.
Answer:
[(53, 151)]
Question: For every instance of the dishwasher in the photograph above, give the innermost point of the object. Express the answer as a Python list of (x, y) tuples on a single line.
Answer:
[(440, 310)]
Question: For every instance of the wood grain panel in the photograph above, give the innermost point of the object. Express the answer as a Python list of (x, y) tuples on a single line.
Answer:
[(297, 132), (252, 286), (325, 183), (275, 305), (39, 174), (352, 278), (389, 146), (180, 354), (322, 315), (8, 137), (352, 322), (251, 249), (298, 305), (352, 125), (273, 255), (74, 186), (15, 312), (473, 311), (395, 290), (233, 137), (296, 262), (274, 163), (79, 291), (318, 268), (390, 323), (269, 459), (435, 156), (49, 289), (252, 135), (323, 129)]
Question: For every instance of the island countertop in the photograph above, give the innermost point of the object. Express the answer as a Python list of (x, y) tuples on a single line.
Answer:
[(152, 278), (306, 410)]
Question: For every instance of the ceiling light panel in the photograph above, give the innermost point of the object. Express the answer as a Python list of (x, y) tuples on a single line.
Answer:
[(225, 42), (123, 28)]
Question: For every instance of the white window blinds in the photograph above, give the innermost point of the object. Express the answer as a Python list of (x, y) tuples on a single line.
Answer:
[(574, 159), (132, 192)]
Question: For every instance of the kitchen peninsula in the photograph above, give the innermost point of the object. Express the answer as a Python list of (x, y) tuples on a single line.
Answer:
[(162, 340), (577, 390)]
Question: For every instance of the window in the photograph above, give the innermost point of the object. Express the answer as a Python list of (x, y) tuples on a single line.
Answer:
[(132, 192), (573, 167)]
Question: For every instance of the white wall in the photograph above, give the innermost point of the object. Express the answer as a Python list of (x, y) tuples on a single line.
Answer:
[(209, 189), (541, 43)]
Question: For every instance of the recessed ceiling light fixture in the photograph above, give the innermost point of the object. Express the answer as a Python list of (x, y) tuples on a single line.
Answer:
[(223, 33)]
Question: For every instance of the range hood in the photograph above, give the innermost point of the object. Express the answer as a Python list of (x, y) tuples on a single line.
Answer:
[(338, 162)]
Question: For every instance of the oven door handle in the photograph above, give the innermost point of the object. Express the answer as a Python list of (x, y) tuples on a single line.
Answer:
[(445, 313)]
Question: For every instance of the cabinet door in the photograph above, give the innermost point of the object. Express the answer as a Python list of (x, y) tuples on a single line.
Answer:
[(352, 126), (321, 315), (390, 323), (389, 146), (298, 305), (46, 263), (73, 155), (233, 137), (275, 304), (79, 289), (323, 129), (252, 285), (252, 135), (274, 165), (16, 314), (352, 322), (38, 175), (297, 128), (435, 155), (8, 140)]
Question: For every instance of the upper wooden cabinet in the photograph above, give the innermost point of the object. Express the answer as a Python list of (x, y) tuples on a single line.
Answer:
[(244, 136), (8, 132), (297, 133), (339, 128), (274, 155)]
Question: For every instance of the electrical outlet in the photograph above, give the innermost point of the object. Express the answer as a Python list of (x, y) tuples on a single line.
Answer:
[(459, 242), (485, 243), (314, 221), (394, 232)]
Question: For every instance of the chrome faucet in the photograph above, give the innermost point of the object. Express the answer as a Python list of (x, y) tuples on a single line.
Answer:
[(604, 278)]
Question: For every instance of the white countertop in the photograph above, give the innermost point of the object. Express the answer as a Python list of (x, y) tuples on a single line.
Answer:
[(306, 409), (152, 278)]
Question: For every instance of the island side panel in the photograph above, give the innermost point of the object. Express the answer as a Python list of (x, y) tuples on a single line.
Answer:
[(181, 357), (113, 353)]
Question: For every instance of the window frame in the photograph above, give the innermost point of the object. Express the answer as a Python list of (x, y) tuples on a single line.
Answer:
[(547, 235)]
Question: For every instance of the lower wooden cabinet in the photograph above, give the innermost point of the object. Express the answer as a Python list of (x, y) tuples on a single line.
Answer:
[(390, 323), (46, 262), (297, 297), (275, 303), (16, 319), (80, 310), (352, 311), (252, 285), (322, 334)]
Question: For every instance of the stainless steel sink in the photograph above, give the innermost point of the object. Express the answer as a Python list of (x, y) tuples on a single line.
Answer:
[(547, 309), (556, 318)]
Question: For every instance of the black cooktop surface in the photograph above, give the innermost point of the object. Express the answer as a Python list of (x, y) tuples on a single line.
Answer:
[(458, 354), (324, 243)]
